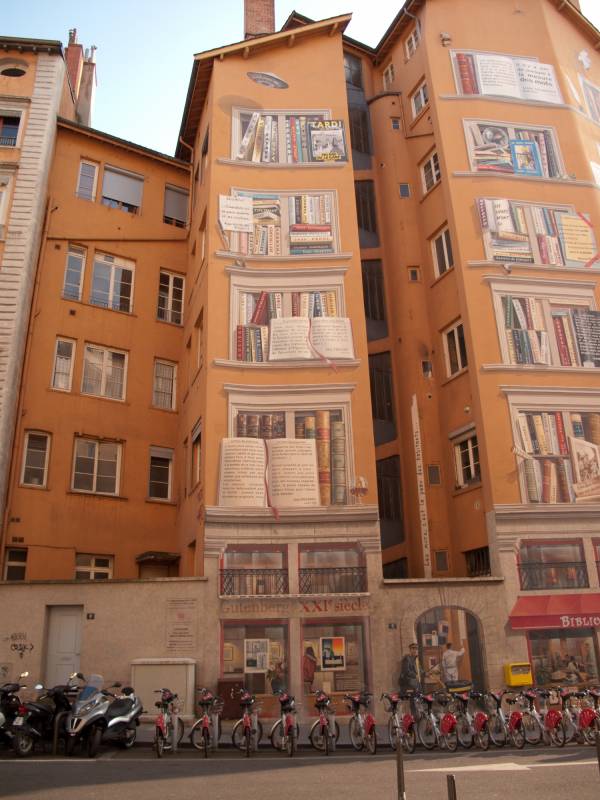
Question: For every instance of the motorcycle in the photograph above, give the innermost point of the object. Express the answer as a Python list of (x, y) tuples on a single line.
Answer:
[(36, 720), (98, 715), (9, 706)]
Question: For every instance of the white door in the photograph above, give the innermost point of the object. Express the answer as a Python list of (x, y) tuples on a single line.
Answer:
[(64, 643)]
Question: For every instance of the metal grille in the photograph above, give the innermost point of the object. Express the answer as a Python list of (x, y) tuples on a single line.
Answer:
[(333, 580), (478, 562), (566, 575), (254, 581)]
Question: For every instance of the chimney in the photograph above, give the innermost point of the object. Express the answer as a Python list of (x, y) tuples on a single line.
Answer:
[(87, 88), (259, 18), (74, 59)]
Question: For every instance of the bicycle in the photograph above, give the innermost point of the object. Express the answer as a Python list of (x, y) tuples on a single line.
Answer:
[(202, 735), (361, 727), (433, 732), (247, 731), (580, 720), (481, 732), (465, 731), (167, 733), (325, 730), (285, 732), (533, 721), (401, 729)]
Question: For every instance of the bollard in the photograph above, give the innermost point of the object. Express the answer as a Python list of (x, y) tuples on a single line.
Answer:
[(451, 787), (598, 747), (400, 770), (174, 730)]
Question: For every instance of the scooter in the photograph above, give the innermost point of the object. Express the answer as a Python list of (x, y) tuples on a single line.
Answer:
[(9, 707), (98, 715), (36, 721)]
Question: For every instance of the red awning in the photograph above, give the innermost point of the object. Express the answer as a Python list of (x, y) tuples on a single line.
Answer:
[(556, 611)]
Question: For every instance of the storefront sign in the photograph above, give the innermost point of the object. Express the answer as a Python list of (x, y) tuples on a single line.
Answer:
[(414, 412), (285, 608), (579, 622), (330, 605), (181, 625)]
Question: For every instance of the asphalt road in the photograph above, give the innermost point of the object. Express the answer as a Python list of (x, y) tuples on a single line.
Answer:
[(540, 774)]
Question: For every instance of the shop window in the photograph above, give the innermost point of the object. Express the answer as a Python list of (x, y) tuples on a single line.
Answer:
[(15, 565), (478, 562), (431, 173), (455, 349), (35, 459), (121, 189), (333, 658), (374, 299), (455, 632), (396, 569), (365, 209), (389, 492), (112, 283), (74, 272), (62, 372), (331, 570), (175, 210), (93, 568), (563, 657), (256, 655), (382, 397), (252, 570), (552, 565), (170, 298)]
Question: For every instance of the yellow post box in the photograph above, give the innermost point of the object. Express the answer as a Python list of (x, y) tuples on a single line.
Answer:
[(518, 674)]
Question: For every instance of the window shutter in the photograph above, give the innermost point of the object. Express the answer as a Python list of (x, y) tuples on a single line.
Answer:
[(176, 203), (122, 187), (161, 452)]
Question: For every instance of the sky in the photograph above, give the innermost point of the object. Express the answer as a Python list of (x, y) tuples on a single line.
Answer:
[(146, 48)]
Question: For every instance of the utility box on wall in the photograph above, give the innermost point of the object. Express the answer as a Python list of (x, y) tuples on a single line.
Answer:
[(176, 674), (518, 674)]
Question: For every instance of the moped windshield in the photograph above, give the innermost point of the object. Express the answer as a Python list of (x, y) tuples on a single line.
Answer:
[(92, 687)]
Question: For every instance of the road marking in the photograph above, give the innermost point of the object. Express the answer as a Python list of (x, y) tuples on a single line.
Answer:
[(502, 767)]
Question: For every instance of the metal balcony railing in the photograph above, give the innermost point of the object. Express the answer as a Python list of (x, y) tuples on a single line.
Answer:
[(254, 581), (333, 580), (8, 141), (566, 575)]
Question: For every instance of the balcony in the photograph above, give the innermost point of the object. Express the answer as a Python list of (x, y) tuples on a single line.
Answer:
[(566, 575), (254, 581), (333, 580)]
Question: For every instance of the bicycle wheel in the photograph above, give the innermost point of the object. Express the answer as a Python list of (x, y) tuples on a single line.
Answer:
[(497, 730), (334, 735), (409, 739), (558, 735), (206, 741), (180, 730), (482, 738), (517, 737), (393, 732), (237, 735), (159, 743), (532, 729), (316, 737), (371, 741), (427, 734), (450, 740), (276, 735), (464, 732), (355, 734), (196, 735)]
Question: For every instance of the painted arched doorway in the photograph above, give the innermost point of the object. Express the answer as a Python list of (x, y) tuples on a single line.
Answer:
[(450, 647)]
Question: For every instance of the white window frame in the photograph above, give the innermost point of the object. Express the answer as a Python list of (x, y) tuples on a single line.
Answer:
[(7, 111), (98, 443), (173, 365), (46, 459), (419, 99), (73, 344), (433, 161), (5, 191), (196, 454), (389, 76), (92, 568), (470, 437), (444, 235), (471, 123), (588, 88), (280, 114), (412, 41), (113, 262), (168, 309), (452, 330), (105, 353), (168, 455), (325, 397), (550, 294), (8, 563), (247, 280), (95, 166), (80, 253)]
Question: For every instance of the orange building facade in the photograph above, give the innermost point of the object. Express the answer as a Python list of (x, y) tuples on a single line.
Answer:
[(353, 322)]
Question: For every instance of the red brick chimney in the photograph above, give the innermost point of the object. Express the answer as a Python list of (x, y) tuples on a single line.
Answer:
[(74, 59), (259, 18)]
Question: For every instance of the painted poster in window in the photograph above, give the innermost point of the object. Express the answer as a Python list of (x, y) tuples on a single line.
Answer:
[(585, 460), (333, 653), (586, 324), (256, 655), (327, 141), (235, 214), (525, 158)]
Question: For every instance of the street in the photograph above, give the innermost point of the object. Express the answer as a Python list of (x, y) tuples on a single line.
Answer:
[(537, 774)]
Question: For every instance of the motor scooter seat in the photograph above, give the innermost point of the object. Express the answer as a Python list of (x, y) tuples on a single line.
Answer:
[(119, 708), (45, 707)]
